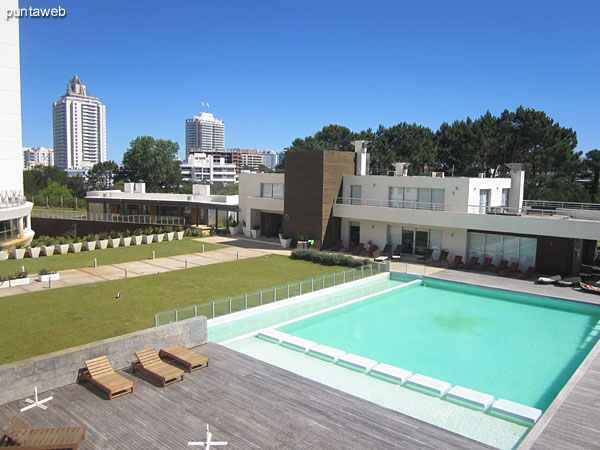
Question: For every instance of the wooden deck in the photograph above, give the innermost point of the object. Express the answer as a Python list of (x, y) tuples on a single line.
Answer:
[(248, 403)]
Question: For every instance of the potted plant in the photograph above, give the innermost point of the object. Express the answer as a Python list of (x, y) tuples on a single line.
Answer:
[(75, 246), (126, 239), (3, 253), (160, 234), (303, 241), (115, 239), (244, 228), (49, 246), (45, 275), (102, 241), (18, 252), (179, 233), (169, 233), (148, 235), (89, 242), (233, 226), (4, 283), (62, 246), (285, 239), (34, 249), (18, 279), (138, 236), (255, 232)]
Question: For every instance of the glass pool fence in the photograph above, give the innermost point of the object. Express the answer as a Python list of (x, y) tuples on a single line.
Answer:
[(228, 305)]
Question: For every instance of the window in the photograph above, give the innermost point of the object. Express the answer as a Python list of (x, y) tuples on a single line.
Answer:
[(355, 194), (521, 250), (505, 197), (410, 197), (271, 190), (395, 196), (438, 198)]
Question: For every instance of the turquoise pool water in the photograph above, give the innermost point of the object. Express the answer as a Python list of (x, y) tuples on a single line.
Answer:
[(519, 347)]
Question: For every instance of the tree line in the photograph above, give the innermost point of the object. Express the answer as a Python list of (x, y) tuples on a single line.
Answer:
[(553, 169)]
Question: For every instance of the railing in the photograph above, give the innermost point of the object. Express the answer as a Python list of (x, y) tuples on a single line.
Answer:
[(543, 204), (252, 299), (107, 217), (469, 209), (12, 201)]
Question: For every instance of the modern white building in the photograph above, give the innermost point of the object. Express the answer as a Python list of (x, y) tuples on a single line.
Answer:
[(321, 195), (15, 221), (204, 132), (38, 156), (202, 166), (271, 159), (251, 158), (79, 126)]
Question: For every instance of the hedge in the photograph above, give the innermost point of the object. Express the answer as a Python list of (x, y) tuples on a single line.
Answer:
[(328, 260)]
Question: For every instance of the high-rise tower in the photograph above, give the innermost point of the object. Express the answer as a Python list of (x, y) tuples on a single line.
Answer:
[(204, 132), (79, 123)]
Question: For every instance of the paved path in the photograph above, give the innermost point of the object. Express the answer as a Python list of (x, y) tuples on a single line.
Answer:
[(237, 248)]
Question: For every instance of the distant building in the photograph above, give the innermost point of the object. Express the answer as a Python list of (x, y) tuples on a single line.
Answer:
[(251, 158), (202, 166), (204, 132), (38, 156), (271, 159), (79, 125), (15, 210), (280, 157)]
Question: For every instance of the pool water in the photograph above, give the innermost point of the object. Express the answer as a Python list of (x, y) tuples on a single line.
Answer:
[(520, 347)]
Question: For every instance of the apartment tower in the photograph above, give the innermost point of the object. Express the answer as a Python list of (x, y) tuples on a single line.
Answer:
[(204, 133)]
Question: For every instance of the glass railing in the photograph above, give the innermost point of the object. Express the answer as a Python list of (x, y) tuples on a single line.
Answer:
[(241, 302)]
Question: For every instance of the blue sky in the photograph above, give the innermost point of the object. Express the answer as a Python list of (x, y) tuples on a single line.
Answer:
[(275, 71)]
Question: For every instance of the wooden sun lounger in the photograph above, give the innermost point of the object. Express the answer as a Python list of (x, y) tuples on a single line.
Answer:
[(189, 358), (20, 433), (100, 372), (150, 363)]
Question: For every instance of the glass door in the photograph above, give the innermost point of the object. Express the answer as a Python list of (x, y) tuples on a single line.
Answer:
[(408, 240), (484, 200), (421, 241), (355, 194), (355, 232)]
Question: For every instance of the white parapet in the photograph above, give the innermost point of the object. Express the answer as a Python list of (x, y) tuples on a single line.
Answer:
[(272, 335), (297, 343), (326, 352), (357, 362), (428, 384), (516, 410), (392, 373), (475, 398)]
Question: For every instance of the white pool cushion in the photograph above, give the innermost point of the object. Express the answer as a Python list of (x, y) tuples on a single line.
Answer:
[(272, 335), (298, 343), (327, 352), (357, 362), (395, 373), (523, 412), (475, 398), (433, 385)]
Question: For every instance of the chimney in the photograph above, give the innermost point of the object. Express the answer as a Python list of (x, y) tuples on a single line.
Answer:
[(401, 169), (363, 159)]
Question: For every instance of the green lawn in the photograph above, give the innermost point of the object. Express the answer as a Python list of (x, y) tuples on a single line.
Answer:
[(46, 321), (106, 256)]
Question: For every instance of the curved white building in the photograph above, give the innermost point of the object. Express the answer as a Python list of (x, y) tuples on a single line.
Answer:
[(204, 132), (15, 222)]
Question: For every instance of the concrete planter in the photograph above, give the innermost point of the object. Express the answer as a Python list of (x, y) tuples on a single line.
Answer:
[(19, 282), (114, 242), (234, 230), (160, 237), (18, 253), (126, 241), (148, 238), (4, 284), (3, 255), (255, 233), (170, 236), (75, 247), (62, 249), (245, 231), (102, 244), (47, 250), (48, 277), (179, 235), (285, 243), (137, 240), (34, 252), (89, 245)]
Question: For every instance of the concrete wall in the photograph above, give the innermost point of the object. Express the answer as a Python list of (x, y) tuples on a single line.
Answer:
[(61, 368), (251, 203)]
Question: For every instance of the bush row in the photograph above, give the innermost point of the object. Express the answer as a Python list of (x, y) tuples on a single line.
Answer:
[(327, 259), (69, 238)]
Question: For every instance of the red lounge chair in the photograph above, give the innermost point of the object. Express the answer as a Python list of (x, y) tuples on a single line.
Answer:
[(339, 245), (503, 265), (512, 269), (359, 250), (487, 264), (372, 248), (456, 263), (350, 247), (528, 273), (474, 262)]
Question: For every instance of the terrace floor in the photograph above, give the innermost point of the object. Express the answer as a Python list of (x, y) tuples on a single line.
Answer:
[(248, 403)]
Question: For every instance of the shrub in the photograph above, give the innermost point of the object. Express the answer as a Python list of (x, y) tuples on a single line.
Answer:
[(89, 237), (138, 232), (256, 227), (103, 235), (126, 233), (327, 259)]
